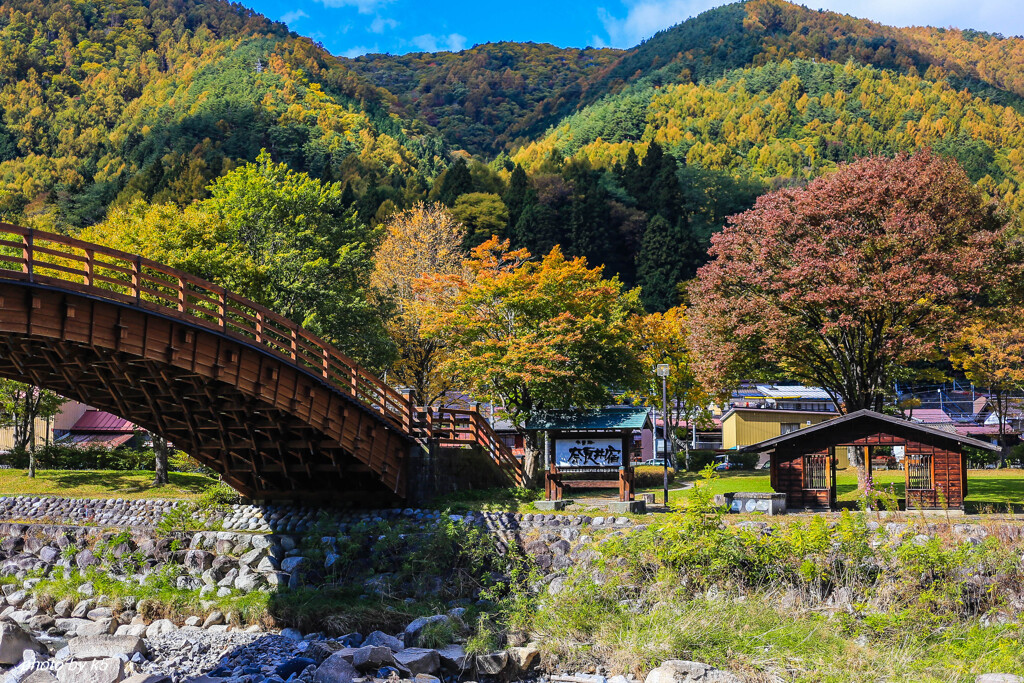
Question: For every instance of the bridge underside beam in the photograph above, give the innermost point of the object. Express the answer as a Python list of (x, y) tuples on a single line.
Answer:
[(271, 430)]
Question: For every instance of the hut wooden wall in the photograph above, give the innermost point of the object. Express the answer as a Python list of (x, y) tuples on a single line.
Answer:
[(787, 470)]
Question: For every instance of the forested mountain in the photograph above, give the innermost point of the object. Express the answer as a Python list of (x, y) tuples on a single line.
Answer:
[(630, 158), (790, 121), (490, 97), (102, 101)]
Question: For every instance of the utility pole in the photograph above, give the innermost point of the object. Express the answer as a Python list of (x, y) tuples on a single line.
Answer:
[(662, 371)]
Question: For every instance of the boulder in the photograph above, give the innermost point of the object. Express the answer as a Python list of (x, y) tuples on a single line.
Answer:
[(85, 559), (683, 671), (103, 646), (82, 609), (525, 658), (98, 627), (371, 658), (62, 610), (290, 564), (418, 660), (291, 634), (14, 641), (383, 639), (454, 658), (998, 678), (293, 666), (99, 613), (492, 664), (40, 676), (145, 678), (71, 626), (109, 670), (160, 627), (415, 628), (198, 561), (335, 669), (215, 618)]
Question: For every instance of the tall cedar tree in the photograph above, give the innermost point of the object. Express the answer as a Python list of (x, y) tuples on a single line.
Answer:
[(456, 182)]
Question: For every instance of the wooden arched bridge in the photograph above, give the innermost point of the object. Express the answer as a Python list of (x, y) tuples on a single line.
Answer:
[(277, 411)]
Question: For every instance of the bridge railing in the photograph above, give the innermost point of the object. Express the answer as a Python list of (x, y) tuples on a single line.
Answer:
[(51, 259), (456, 428)]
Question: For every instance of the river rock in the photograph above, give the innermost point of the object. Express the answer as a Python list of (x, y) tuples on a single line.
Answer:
[(418, 660), (335, 669), (383, 639), (109, 670), (103, 646), (683, 671), (14, 641)]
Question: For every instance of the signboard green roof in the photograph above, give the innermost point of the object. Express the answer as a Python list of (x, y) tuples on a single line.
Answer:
[(604, 419)]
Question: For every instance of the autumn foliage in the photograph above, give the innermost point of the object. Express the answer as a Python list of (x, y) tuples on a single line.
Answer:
[(844, 283), (532, 335)]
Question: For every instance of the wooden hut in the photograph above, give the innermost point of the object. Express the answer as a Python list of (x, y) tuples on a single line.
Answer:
[(803, 463)]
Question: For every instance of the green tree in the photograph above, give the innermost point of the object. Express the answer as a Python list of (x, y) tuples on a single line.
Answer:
[(455, 182), (21, 405), (533, 335), (483, 214), (311, 260), (668, 256)]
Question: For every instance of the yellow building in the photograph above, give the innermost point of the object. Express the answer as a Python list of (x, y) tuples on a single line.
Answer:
[(69, 414), (746, 426)]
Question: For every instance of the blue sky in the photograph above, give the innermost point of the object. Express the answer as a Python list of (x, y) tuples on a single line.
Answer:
[(354, 27)]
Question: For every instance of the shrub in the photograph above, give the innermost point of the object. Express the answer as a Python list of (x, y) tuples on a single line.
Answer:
[(699, 459), (648, 476), (747, 461), (67, 457)]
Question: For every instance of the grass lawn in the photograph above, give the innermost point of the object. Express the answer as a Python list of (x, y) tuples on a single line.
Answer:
[(987, 490), (101, 484)]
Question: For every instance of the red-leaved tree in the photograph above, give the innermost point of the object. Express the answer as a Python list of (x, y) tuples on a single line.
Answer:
[(845, 282)]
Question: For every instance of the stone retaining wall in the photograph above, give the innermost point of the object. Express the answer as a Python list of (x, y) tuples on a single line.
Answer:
[(285, 519)]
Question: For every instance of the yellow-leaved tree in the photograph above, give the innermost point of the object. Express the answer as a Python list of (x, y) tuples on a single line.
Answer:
[(421, 242), (990, 352), (662, 338)]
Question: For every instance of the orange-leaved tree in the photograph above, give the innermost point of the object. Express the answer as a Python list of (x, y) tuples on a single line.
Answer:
[(533, 335)]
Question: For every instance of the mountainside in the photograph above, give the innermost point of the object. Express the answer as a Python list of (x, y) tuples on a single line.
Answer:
[(103, 101), (630, 158), (791, 121), (492, 96)]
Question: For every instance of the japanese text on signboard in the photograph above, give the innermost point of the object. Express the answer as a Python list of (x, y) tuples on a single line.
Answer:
[(588, 453)]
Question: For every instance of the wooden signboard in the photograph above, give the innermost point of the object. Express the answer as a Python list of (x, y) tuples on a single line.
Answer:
[(603, 456)]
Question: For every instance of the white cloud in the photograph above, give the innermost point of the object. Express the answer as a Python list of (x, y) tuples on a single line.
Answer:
[(364, 6), (456, 42), (294, 15), (357, 50), (428, 42), (644, 18), (380, 24), (1000, 16)]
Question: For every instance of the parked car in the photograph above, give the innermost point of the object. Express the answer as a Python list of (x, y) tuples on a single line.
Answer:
[(657, 462)]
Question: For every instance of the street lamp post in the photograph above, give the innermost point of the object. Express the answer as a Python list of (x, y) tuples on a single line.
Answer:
[(662, 371)]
